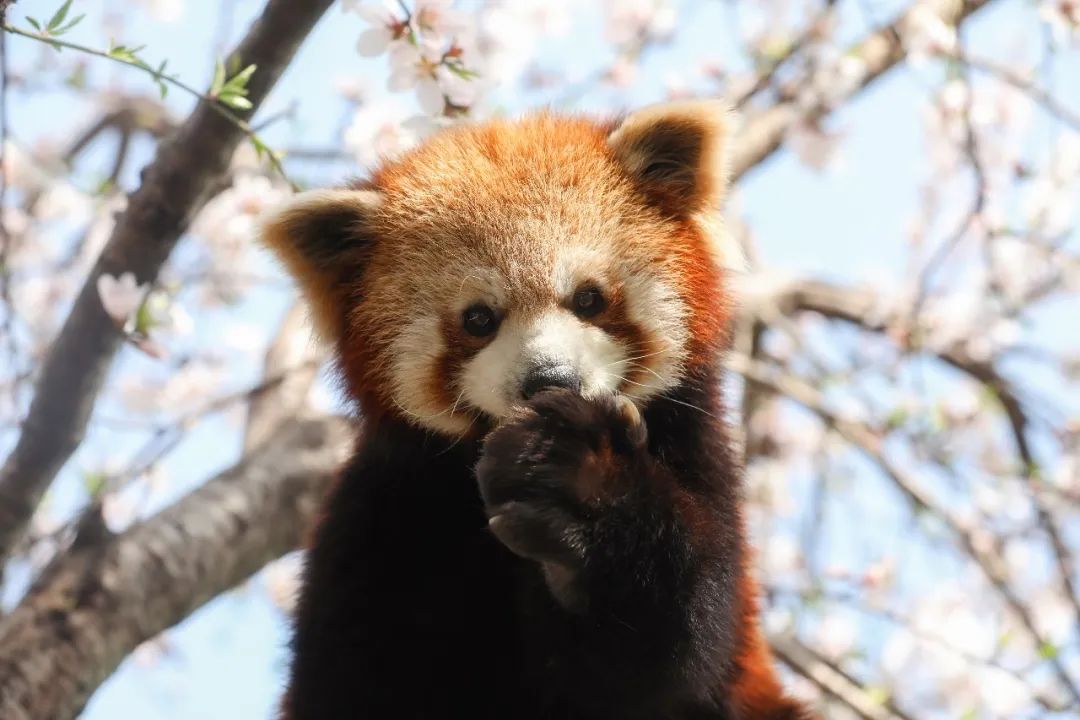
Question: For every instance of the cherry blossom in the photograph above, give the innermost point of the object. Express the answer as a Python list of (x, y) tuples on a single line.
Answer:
[(120, 296), (414, 67), (1063, 18), (377, 131), (386, 28), (634, 20), (953, 305)]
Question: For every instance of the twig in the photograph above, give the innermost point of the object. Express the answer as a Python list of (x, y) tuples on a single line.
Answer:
[(831, 680), (187, 170), (294, 356), (983, 549), (166, 438), (1015, 79), (765, 78), (858, 307), (212, 102), (6, 239), (101, 601), (879, 52), (978, 203), (853, 599)]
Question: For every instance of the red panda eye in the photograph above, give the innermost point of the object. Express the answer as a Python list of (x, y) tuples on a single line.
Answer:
[(479, 320), (589, 301)]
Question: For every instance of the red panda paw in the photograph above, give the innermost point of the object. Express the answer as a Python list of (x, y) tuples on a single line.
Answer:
[(547, 476)]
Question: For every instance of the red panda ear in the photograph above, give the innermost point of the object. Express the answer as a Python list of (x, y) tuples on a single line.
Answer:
[(322, 238), (677, 153)]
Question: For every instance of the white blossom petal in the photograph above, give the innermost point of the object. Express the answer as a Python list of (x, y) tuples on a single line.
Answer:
[(120, 296), (430, 96), (374, 42)]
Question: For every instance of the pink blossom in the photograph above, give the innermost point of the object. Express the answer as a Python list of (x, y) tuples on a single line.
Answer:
[(386, 28), (1063, 18), (377, 131), (634, 20), (437, 21), (925, 34), (813, 145), (120, 296), (413, 67)]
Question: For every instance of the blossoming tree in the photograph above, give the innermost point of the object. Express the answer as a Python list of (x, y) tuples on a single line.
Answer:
[(906, 361)]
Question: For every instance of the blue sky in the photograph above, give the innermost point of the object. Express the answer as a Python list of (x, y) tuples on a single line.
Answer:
[(848, 223)]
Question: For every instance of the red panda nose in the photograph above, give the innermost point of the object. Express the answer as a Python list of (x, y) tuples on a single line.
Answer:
[(549, 377)]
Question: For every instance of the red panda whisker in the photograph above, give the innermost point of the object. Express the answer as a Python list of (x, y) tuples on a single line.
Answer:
[(647, 369), (415, 415), (632, 382), (668, 397), (461, 435), (635, 357), (453, 408)]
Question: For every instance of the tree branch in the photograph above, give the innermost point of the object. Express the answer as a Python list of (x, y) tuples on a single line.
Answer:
[(108, 594), (982, 547), (294, 357), (185, 173), (764, 132), (831, 680)]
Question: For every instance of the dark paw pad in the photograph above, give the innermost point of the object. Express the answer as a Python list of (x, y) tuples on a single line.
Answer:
[(548, 474)]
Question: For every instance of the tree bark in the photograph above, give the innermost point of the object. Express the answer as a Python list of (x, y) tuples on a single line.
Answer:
[(880, 51), (185, 173), (109, 593)]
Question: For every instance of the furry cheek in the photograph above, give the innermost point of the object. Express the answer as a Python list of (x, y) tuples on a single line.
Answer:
[(420, 385), (658, 316)]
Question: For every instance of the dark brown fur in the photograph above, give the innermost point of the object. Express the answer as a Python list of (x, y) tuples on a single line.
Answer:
[(586, 560)]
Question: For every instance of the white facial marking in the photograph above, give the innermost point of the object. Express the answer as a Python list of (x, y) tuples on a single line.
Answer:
[(661, 314), (493, 379), (416, 351)]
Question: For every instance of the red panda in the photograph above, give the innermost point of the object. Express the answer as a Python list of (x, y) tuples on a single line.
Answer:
[(542, 515)]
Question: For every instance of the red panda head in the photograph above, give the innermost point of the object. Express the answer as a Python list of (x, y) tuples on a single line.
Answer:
[(499, 259)]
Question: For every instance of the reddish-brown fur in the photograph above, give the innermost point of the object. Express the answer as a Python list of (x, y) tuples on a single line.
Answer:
[(400, 254)]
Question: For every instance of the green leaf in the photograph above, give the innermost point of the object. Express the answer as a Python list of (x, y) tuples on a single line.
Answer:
[(877, 695), (219, 79), (58, 17), (260, 146), (35, 23), (235, 101), (1048, 651), (461, 71), (144, 318), (94, 482), (78, 78), (124, 53), (896, 418), (73, 23), (104, 186), (239, 81)]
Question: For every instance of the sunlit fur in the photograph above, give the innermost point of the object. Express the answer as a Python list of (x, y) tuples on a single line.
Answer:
[(574, 555), (518, 215)]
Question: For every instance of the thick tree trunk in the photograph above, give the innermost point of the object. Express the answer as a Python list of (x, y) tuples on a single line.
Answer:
[(109, 593), (187, 171)]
